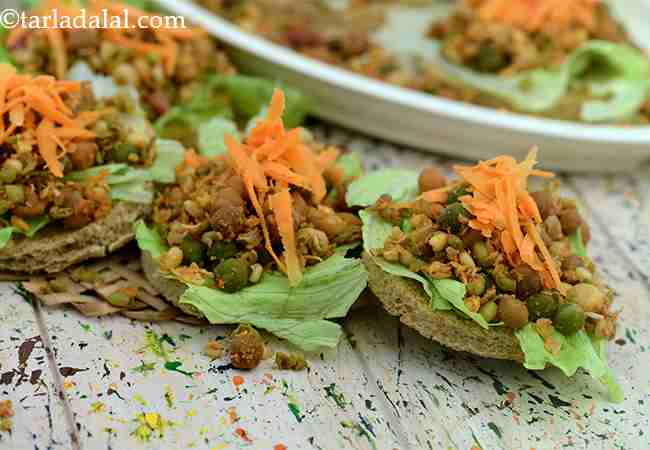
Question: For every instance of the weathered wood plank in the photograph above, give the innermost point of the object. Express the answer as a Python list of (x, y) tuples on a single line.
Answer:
[(325, 407), (26, 380), (621, 204)]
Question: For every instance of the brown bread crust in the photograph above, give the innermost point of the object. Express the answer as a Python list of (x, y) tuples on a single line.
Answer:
[(407, 300), (53, 249)]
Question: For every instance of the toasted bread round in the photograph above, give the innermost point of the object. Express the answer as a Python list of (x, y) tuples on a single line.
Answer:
[(53, 249), (407, 300), (171, 289)]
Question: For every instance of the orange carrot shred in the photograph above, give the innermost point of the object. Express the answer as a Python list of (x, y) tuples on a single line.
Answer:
[(533, 15), (437, 195), (272, 157), (281, 206), (34, 103), (277, 106), (502, 207), (47, 147)]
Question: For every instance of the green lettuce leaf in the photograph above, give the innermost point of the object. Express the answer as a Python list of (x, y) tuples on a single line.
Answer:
[(250, 94), (34, 225), (149, 240), (577, 246), (576, 351), (235, 97), (169, 155), (130, 183), (617, 72), (400, 184), (211, 134), (351, 164), (298, 314), (208, 101)]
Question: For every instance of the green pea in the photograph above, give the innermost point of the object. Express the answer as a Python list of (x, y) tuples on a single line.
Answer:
[(489, 59), (233, 273), (588, 296), (438, 241), (481, 254), (193, 251), (569, 319), (221, 250), (121, 152), (454, 241), (10, 170), (541, 306), (513, 312), (449, 218), (15, 193), (477, 286), (504, 281), (489, 311), (454, 195)]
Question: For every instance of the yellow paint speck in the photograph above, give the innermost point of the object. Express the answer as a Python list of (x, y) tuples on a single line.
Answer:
[(97, 407), (67, 384), (152, 419), (150, 424), (220, 446), (191, 413), (203, 431)]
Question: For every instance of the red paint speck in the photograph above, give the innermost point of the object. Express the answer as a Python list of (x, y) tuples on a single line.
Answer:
[(279, 447), (243, 435), (238, 380)]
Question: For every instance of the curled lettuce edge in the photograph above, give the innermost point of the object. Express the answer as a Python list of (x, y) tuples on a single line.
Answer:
[(624, 89), (231, 96), (579, 350), (298, 314)]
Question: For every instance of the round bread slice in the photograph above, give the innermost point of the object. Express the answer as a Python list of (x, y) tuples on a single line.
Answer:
[(53, 249), (407, 300)]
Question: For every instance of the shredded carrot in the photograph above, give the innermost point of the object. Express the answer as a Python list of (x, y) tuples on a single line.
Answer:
[(437, 195), (34, 103), (533, 15), (272, 157), (281, 205), (503, 208)]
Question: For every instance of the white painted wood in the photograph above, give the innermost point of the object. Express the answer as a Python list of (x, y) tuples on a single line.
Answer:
[(25, 379), (622, 205), (329, 400)]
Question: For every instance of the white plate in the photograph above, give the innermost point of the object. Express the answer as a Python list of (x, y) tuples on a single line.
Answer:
[(425, 121)]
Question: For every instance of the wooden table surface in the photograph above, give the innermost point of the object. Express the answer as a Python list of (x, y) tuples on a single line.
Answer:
[(79, 383)]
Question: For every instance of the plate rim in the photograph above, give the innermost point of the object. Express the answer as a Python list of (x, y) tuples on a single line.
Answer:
[(379, 90)]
